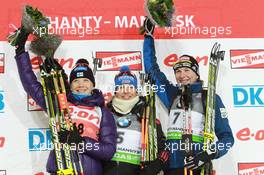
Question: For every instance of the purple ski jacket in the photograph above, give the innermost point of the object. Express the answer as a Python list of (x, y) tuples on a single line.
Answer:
[(106, 144)]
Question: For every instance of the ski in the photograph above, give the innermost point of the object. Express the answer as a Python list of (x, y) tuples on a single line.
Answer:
[(186, 103), (58, 112), (148, 122), (214, 62)]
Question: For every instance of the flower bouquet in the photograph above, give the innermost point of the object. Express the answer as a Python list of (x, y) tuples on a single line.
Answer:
[(160, 12), (33, 21)]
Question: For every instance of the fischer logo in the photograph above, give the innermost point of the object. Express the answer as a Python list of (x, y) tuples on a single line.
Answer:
[(2, 172), (114, 60), (246, 134), (248, 96), (172, 58), (2, 62), (39, 139), (2, 142), (247, 59), (250, 168)]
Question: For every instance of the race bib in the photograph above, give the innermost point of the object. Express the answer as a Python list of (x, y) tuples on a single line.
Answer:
[(128, 146), (176, 125), (87, 120)]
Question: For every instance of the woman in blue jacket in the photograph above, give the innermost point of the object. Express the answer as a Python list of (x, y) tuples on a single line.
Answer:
[(186, 71), (82, 97)]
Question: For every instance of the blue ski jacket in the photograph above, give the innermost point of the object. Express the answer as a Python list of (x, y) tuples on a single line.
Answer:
[(105, 145), (225, 139)]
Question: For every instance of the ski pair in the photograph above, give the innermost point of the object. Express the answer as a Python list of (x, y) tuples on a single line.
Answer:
[(149, 144), (59, 117), (215, 57), (186, 101)]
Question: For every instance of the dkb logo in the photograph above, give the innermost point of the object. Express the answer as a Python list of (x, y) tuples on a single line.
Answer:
[(39, 139), (248, 96)]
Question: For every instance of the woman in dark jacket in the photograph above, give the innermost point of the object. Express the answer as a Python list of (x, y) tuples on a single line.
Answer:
[(126, 107), (100, 133)]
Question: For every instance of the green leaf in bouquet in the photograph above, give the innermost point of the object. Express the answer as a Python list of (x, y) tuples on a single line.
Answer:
[(46, 45), (33, 19), (12, 38), (160, 11)]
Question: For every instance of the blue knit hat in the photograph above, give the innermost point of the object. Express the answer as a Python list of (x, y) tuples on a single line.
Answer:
[(125, 76), (82, 70)]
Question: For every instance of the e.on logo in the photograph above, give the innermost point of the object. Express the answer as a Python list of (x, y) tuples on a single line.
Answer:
[(172, 58), (246, 134)]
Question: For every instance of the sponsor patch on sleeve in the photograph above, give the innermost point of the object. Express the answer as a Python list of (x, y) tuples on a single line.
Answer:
[(223, 112)]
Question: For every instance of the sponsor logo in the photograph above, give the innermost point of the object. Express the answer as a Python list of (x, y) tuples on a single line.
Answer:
[(246, 134), (39, 139), (2, 172), (250, 168), (248, 96), (247, 59), (173, 58), (66, 63), (2, 62), (2, 102), (2, 142), (114, 60)]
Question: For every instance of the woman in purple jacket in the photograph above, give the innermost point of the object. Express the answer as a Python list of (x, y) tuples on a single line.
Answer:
[(82, 97)]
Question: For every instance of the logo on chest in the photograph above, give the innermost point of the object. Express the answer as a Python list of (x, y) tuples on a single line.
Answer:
[(123, 122)]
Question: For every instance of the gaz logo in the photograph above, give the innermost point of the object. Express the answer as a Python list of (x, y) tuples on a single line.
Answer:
[(2, 103), (39, 139), (248, 96)]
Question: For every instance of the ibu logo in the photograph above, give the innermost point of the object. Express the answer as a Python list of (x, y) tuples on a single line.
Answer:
[(248, 96), (39, 139)]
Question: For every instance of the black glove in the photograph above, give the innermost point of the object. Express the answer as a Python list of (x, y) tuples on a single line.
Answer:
[(21, 41), (70, 137), (139, 107), (147, 28), (203, 157), (152, 168), (51, 63)]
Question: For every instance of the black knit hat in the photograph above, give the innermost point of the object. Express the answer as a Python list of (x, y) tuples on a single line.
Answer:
[(187, 61), (82, 70)]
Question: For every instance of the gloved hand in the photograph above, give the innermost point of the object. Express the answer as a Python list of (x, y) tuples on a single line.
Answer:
[(21, 41), (70, 137), (152, 168), (148, 27), (51, 63), (201, 158), (138, 110)]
